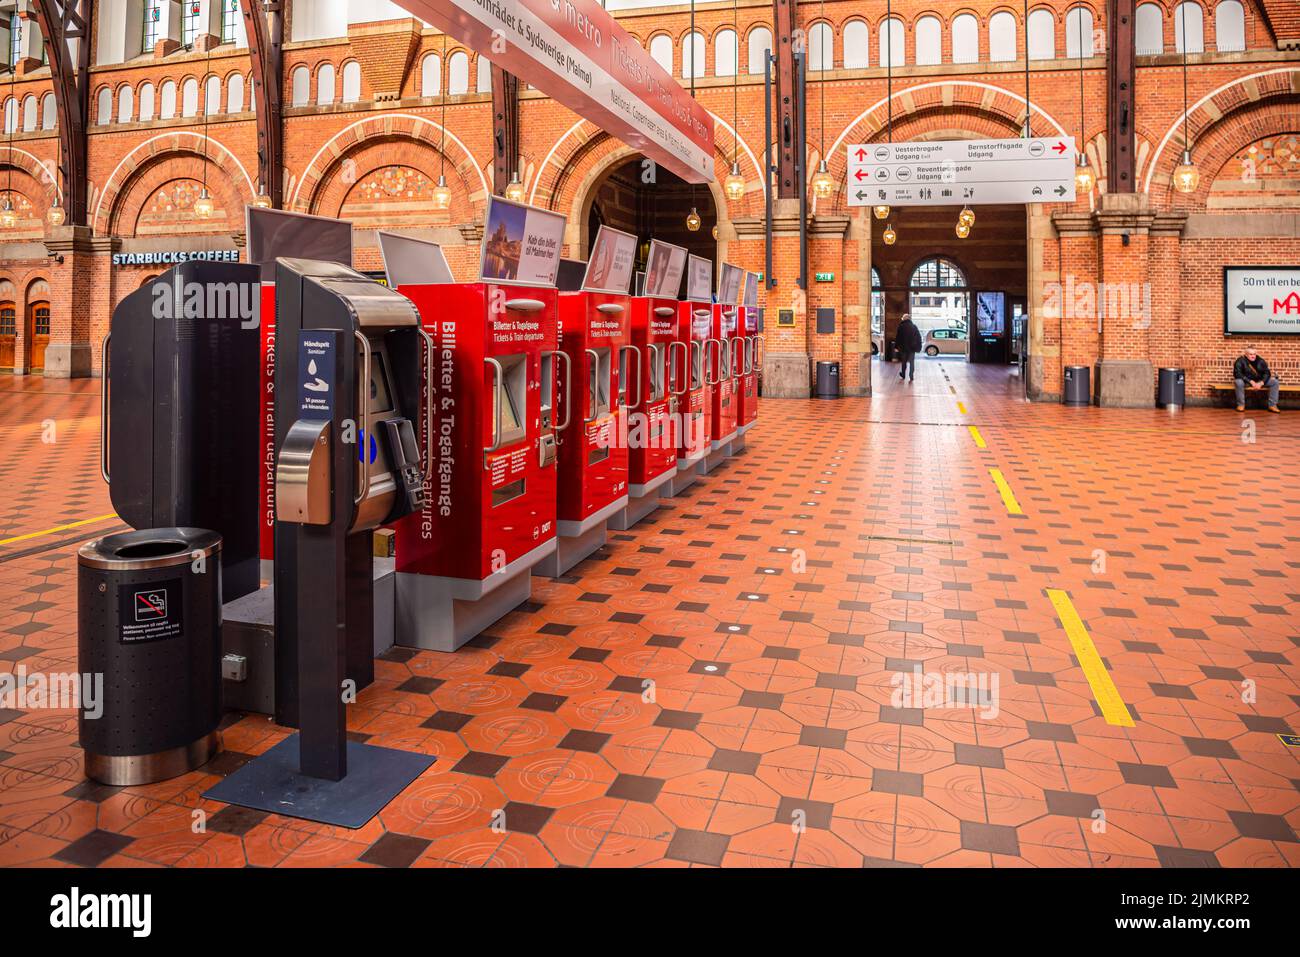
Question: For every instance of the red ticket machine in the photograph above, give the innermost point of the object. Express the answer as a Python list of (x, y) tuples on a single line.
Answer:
[(663, 363), (595, 339), (749, 360), (722, 385), (692, 422), (465, 560)]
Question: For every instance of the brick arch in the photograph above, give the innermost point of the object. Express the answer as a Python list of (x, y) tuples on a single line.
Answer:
[(585, 153), (943, 109), (37, 169), (372, 155), (1254, 98), (149, 152), (388, 126), (168, 168)]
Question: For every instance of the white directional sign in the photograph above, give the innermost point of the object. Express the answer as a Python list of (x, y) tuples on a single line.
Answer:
[(1261, 300), (957, 172)]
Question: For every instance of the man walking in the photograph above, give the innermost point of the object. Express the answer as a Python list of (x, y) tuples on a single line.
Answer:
[(908, 341), (1251, 370)]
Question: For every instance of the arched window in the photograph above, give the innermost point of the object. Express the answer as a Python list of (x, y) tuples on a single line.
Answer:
[(1195, 25), (938, 295), (965, 39), (301, 85), (325, 84), (938, 273), (893, 48), (167, 109), (15, 39), (212, 94), (125, 104), (49, 112), (252, 99), (1078, 30), (661, 51), (152, 21), (1150, 30), (725, 53), (1042, 35), (693, 55), (821, 48), (29, 113), (235, 94), (857, 45), (103, 108), (190, 97), (1229, 27), (929, 41), (458, 73), (431, 75), (232, 23), (483, 75), (760, 44), (190, 18), (351, 82), (1002, 37), (146, 102)]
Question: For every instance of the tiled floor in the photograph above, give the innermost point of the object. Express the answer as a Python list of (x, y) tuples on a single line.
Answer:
[(718, 685)]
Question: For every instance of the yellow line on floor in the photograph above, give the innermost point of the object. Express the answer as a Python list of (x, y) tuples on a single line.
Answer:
[(1008, 497), (60, 528), (1112, 705), (961, 407), (979, 439)]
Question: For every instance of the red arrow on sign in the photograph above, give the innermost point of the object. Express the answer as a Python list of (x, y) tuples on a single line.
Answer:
[(861, 154), (1059, 147), (859, 174)]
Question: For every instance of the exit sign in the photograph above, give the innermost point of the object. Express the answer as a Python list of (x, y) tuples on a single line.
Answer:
[(824, 276)]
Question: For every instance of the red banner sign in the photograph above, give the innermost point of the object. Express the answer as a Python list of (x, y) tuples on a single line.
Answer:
[(575, 52)]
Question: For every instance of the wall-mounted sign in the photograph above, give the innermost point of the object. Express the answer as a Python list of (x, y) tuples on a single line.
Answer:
[(521, 244), (575, 52), (953, 172), (785, 317), (174, 256), (824, 276), (1261, 300)]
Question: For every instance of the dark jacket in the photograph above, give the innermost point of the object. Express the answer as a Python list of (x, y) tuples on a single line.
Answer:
[(1251, 372), (909, 337)]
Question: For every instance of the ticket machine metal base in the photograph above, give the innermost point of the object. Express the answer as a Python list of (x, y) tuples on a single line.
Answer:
[(641, 501), (687, 474), (273, 783), (719, 453), (577, 541), (442, 614)]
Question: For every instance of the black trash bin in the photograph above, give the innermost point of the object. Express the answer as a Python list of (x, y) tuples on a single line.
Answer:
[(1171, 392), (828, 380), (1078, 386), (149, 622)]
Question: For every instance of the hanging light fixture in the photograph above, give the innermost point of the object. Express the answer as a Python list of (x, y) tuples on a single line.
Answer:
[(966, 217), (889, 236), (8, 218), (881, 211), (515, 188), (715, 232), (262, 200), (442, 192), (963, 230), (1186, 176), (693, 221), (55, 215), (204, 207), (734, 184), (1084, 178), (822, 184)]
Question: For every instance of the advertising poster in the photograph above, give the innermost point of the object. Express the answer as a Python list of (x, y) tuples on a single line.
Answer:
[(751, 290), (1261, 300), (664, 268), (729, 283), (521, 244), (699, 284), (613, 256)]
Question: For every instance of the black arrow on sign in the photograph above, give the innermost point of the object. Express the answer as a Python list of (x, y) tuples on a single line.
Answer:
[(1060, 191), (861, 194), (1243, 306)]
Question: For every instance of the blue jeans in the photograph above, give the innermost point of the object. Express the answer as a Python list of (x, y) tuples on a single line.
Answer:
[(1274, 390)]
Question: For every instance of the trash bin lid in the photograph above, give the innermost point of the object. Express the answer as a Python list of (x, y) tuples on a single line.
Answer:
[(150, 548)]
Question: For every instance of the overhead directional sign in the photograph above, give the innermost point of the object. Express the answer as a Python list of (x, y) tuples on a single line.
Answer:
[(1261, 300), (574, 51), (957, 172)]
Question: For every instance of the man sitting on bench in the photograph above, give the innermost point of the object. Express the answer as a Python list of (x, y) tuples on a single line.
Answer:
[(1251, 371)]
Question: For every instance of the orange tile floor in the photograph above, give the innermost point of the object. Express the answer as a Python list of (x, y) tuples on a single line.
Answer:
[(716, 687)]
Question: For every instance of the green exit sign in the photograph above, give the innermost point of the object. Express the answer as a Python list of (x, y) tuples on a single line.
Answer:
[(824, 276)]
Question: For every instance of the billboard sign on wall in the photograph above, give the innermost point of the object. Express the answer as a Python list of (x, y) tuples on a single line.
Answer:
[(1261, 300)]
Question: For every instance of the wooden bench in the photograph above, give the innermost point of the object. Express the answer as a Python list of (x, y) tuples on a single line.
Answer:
[(1230, 390)]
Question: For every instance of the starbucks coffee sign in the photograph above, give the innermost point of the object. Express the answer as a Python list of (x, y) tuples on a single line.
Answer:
[(174, 256)]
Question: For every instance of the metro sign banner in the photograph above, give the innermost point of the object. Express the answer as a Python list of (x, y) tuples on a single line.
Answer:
[(576, 53), (1261, 300), (962, 172)]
